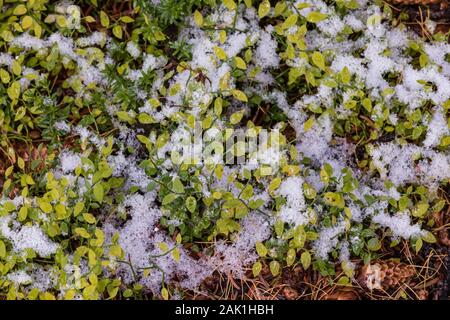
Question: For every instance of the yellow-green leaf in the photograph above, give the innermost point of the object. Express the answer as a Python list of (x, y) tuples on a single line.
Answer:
[(165, 293), (198, 18), (14, 90), (2, 249), (318, 60), (23, 213), (256, 269), (274, 267), (98, 192), (117, 31), (4, 76), (290, 21), (305, 258), (16, 68), (261, 249), (240, 63), (45, 206), (19, 10), (236, 117), (308, 124), (220, 53), (263, 9), (315, 17), (27, 22), (238, 94), (126, 19), (82, 233), (230, 4), (104, 20)]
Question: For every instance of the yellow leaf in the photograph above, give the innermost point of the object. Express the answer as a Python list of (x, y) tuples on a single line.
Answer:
[(240, 63), (238, 94), (19, 10), (308, 124), (16, 68), (14, 90), (198, 18), (4, 76), (20, 163), (220, 53), (104, 20), (222, 36), (264, 9), (27, 22), (315, 17), (82, 232), (230, 4), (37, 30), (45, 207), (117, 31), (318, 60), (89, 218), (165, 294), (89, 19), (236, 117), (126, 19), (61, 21), (290, 21)]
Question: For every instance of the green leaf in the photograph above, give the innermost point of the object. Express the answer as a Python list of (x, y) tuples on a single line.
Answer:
[(315, 17), (169, 198), (374, 244), (98, 192), (178, 186), (191, 204)]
